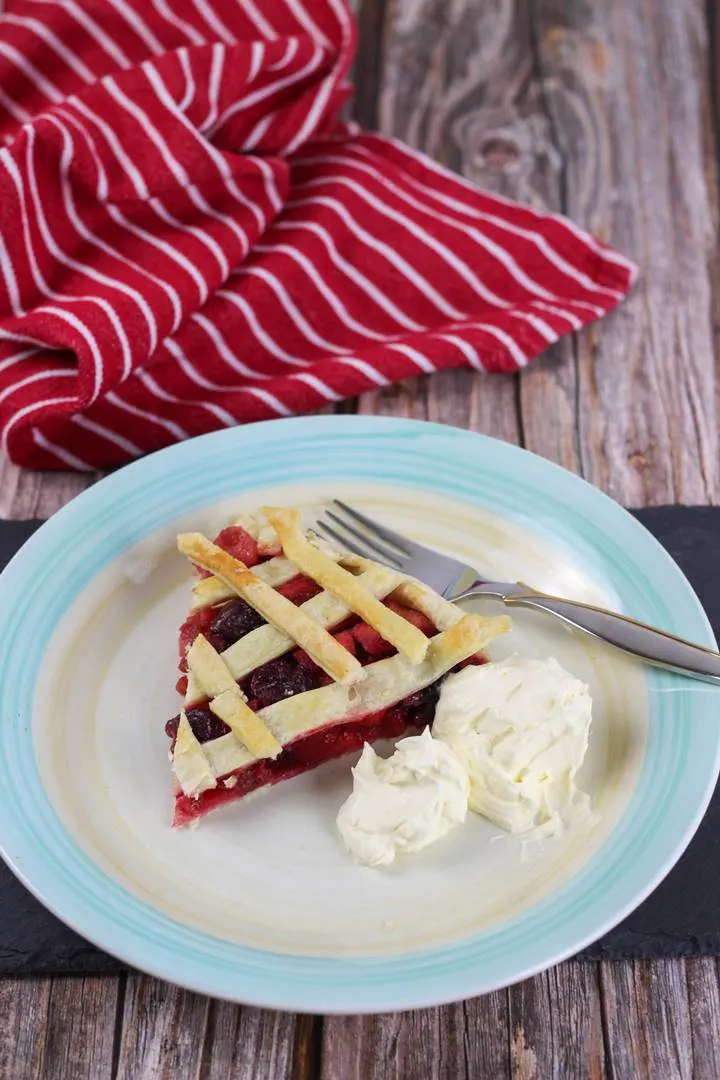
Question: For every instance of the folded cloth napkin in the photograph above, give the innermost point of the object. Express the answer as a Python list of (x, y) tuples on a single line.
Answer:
[(191, 237)]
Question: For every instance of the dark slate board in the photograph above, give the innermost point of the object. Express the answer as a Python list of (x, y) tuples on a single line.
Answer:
[(681, 918)]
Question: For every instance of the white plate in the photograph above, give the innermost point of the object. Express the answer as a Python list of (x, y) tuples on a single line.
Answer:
[(272, 872), (261, 903)]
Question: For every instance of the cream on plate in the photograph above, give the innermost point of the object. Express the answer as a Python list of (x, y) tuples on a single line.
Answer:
[(511, 736)]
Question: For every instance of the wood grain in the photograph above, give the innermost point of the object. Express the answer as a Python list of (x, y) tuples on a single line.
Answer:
[(647, 1020), (572, 1043), (79, 1034), (627, 91), (479, 402), (548, 103), (24, 1005), (163, 1031), (30, 494), (171, 1033), (456, 1042), (254, 1044), (57, 1028), (704, 1012)]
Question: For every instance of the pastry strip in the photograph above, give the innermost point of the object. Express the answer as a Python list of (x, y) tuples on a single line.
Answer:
[(407, 639), (212, 590), (275, 608), (191, 766), (211, 673), (266, 643)]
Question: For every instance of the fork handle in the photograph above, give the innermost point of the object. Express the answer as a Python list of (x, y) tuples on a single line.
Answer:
[(638, 639)]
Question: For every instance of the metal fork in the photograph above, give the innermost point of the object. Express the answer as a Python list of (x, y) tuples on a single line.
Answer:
[(457, 581)]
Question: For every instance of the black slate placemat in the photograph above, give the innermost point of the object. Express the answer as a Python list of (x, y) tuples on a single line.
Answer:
[(681, 918)]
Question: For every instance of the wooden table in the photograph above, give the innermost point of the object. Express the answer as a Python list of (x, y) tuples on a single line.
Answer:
[(606, 111)]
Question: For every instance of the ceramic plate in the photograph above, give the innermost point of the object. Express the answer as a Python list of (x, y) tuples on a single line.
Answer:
[(261, 904)]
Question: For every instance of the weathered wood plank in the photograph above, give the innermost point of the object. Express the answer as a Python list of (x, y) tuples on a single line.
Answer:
[(80, 1028), (553, 112), (163, 1031), (24, 1005), (254, 1044), (703, 987), (30, 494), (465, 399), (53, 1028), (436, 61), (647, 1020), (485, 1030), (627, 90), (556, 1025), (366, 69), (456, 1042), (169, 1032)]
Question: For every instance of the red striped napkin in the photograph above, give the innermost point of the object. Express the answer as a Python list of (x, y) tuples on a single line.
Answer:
[(192, 238)]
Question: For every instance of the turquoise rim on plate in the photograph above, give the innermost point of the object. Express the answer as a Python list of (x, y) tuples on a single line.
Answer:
[(677, 779)]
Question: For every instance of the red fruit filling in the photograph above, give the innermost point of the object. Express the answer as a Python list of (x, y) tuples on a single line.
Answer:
[(200, 622), (371, 643), (304, 754), (280, 679), (415, 617), (299, 589), (239, 543), (234, 620)]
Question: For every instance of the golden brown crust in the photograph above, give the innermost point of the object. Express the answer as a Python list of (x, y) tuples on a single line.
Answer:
[(216, 681), (276, 609), (468, 636), (212, 590), (233, 710), (419, 597), (208, 668), (388, 681), (407, 639), (193, 772)]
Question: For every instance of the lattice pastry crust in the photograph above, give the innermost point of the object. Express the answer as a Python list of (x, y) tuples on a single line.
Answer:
[(350, 585)]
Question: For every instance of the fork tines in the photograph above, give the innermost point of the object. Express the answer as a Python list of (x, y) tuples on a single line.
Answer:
[(372, 541)]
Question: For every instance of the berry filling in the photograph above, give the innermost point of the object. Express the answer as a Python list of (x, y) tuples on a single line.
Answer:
[(234, 620), (239, 543), (204, 723), (280, 679), (301, 756), (299, 589)]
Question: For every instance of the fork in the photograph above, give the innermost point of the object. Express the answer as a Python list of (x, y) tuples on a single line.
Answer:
[(456, 581)]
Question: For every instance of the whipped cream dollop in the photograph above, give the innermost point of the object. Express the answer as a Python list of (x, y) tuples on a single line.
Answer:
[(520, 729), (403, 803)]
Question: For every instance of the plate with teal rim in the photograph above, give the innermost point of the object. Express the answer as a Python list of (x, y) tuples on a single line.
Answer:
[(261, 904)]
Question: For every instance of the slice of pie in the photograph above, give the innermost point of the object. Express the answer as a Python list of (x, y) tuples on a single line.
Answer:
[(295, 653)]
